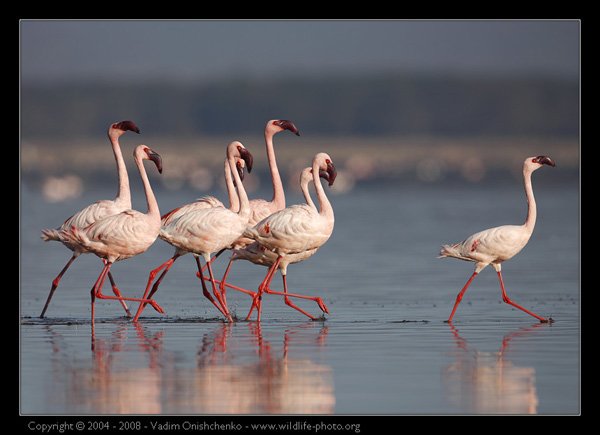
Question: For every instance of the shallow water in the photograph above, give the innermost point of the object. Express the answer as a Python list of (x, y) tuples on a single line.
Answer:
[(384, 349)]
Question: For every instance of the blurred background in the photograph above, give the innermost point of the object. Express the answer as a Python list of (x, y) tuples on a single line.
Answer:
[(401, 101)]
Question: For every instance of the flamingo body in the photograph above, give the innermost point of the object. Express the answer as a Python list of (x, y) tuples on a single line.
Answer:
[(203, 231), (496, 245), (123, 235), (96, 211), (493, 245), (206, 226), (294, 234)]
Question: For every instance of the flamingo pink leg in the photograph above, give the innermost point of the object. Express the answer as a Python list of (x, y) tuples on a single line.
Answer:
[(257, 300), (166, 265), (213, 259), (217, 294), (56, 281), (506, 299), (287, 295), (224, 280), (98, 284), (460, 296), (99, 294), (205, 289), (117, 292), (233, 287), (288, 302)]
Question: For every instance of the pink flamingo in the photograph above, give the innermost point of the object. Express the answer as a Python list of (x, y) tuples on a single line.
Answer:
[(261, 208), (208, 230), (496, 245), (122, 235), (97, 210), (202, 203), (258, 254), (294, 230)]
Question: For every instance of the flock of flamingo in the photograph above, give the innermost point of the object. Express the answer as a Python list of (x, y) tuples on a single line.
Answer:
[(263, 232)]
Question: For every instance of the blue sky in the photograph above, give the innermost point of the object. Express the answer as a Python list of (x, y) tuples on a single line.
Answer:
[(201, 50)]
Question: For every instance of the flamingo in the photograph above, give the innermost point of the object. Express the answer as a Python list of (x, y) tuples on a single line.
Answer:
[(201, 203), (208, 230), (258, 254), (121, 235), (261, 208), (97, 210), (496, 245), (296, 229)]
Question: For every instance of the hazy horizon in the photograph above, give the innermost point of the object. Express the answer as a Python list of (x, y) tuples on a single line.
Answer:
[(206, 50)]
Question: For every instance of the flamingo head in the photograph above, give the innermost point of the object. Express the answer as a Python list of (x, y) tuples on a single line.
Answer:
[(534, 163), (119, 128), (326, 167), (306, 176), (277, 125), (245, 155), (142, 152)]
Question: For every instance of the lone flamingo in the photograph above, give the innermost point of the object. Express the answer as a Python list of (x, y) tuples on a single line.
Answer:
[(258, 254), (261, 208), (495, 245), (294, 230), (97, 210), (202, 203), (122, 235), (208, 230)]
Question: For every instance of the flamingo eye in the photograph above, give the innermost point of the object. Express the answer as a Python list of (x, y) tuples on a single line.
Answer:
[(533, 161), (327, 161)]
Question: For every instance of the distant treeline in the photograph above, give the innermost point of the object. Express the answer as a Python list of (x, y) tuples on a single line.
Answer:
[(387, 104)]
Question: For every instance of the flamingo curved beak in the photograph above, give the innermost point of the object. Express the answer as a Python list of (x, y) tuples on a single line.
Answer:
[(287, 125), (331, 173), (247, 156), (127, 126), (545, 160), (156, 158)]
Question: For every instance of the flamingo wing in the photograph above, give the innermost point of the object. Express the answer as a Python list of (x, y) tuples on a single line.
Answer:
[(124, 235), (200, 203), (294, 229), (491, 245), (204, 230), (92, 213)]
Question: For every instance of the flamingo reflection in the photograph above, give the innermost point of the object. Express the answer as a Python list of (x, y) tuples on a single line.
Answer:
[(273, 383), (488, 382), (238, 369)]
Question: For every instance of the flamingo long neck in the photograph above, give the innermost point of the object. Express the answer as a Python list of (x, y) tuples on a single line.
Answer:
[(325, 208), (278, 193), (243, 197), (531, 207), (124, 193), (150, 198), (304, 187), (234, 201)]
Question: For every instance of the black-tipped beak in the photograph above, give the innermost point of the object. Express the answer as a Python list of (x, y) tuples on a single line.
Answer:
[(127, 126), (324, 175), (288, 125), (331, 172), (156, 158), (545, 160), (245, 154), (240, 170)]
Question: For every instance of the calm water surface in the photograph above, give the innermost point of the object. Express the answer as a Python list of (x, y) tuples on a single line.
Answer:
[(384, 349)]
